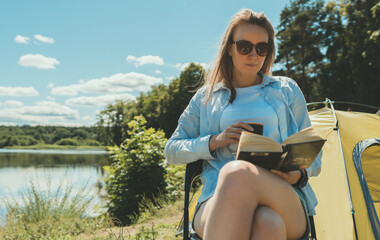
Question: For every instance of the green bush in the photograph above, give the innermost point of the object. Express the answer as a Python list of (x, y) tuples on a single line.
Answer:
[(90, 142), (175, 180), (136, 171), (20, 140), (67, 141)]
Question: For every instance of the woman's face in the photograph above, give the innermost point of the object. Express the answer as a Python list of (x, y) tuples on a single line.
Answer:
[(247, 66)]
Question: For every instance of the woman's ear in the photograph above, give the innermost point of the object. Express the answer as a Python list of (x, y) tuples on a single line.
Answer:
[(229, 49)]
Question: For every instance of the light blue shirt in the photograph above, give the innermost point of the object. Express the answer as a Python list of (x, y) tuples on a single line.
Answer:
[(199, 121), (250, 106)]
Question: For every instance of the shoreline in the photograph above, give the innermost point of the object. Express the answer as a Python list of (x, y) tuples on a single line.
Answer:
[(55, 147)]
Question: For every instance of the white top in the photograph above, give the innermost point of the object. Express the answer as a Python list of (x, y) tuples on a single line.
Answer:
[(250, 106)]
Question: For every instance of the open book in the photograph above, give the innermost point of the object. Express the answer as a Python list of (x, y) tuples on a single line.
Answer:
[(297, 151)]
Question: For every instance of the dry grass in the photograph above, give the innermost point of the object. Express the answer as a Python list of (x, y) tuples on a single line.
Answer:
[(161, 225)]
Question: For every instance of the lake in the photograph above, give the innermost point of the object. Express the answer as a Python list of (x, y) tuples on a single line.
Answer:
[(50, 167)]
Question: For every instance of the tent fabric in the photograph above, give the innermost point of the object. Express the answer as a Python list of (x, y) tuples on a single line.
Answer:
[(368, 174), (338, 187)]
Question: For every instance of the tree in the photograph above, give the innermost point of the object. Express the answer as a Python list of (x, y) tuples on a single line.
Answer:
[(180, 91), (300, 36), (112, 122)]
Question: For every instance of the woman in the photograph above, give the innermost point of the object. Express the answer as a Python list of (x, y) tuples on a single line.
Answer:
[(240, 200)]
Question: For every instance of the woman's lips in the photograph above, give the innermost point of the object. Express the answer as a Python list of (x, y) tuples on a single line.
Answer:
[(251, 65)]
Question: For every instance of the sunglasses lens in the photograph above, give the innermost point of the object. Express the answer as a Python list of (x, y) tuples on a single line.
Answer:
[(262, 49), (244, 47)]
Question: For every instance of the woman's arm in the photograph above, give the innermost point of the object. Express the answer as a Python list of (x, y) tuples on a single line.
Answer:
[(185, 145)]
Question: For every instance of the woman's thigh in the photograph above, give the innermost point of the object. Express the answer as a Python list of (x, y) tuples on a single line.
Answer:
[(200, 217), (271, 191)]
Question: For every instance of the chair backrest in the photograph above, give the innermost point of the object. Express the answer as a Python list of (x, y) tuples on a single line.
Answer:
[(192, 170)]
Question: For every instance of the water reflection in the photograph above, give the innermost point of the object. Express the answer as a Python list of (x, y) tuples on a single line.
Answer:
[(50, 167)]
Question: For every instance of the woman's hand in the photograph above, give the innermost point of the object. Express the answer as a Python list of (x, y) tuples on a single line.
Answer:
[(230, 135), (291, 177)]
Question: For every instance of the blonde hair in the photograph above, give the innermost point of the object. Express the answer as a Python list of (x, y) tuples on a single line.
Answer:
[(222, 71)]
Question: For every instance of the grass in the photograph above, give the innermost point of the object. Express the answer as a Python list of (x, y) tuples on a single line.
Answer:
[(61, 214), (154, 223), (50, 214), (54, 146)]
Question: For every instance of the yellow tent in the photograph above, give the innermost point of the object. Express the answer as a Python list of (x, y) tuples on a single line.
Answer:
[(348, 187)]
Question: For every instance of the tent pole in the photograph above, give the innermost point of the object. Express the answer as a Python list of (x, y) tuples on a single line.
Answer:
[(344, 165)]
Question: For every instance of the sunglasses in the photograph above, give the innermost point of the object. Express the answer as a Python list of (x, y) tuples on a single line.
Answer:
[(245, 47)]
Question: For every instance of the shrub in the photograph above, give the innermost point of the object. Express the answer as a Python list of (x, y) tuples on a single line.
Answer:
[(136, 171), (175, 180), (90, 142), (67, 141)]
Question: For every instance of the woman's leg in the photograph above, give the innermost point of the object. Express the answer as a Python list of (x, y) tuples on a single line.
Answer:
[(267, 224), (242, 188)]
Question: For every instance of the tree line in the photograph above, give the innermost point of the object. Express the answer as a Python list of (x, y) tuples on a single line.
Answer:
[(39, 135), (331, 49)]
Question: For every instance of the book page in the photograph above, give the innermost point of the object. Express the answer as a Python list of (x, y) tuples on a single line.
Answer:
[(250, 142), (306, 135)]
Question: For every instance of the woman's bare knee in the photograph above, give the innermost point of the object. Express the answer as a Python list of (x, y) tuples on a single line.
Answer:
[(236, 180), (267, 224)]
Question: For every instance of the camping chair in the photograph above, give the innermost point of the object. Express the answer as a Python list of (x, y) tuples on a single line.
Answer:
[(193, 170)]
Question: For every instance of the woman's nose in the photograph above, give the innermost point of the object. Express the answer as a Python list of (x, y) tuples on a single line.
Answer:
[(253, 53)]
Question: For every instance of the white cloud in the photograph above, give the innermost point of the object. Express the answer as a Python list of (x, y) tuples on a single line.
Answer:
[(51, 85), (50, 108), (87, 118), (22, 39), (50, 98), (43, 38), (18, 91), (44, 113), (65, 91), (158, 72), (149, 59), (38, 61), (182, 66), (102, 100), (170, 78), (7, 124), (117, 83), (12, 103)]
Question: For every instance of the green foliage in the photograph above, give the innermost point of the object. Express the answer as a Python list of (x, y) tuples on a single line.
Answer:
[(50, 214), (67, 141), (175, 180), (146, 234), (18, 141), (331, 49), (91, 142), (14, 136), (136, 171), (300, 49)]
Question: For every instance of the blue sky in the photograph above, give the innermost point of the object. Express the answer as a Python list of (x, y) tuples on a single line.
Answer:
[(61, 62)]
